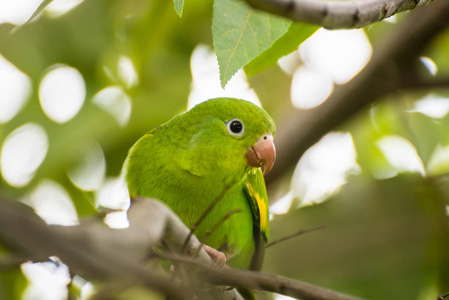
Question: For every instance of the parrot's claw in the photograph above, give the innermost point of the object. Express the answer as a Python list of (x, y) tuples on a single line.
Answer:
[(217, 256)]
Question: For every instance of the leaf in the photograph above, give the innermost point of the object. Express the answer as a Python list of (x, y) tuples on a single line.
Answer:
[(289, 42), (41, 8), (179, 6), (241, 33)]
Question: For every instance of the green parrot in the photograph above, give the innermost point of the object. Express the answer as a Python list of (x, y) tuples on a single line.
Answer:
[(222, 146)]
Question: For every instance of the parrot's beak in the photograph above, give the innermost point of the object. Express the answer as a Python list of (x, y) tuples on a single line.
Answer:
[(262, 153)]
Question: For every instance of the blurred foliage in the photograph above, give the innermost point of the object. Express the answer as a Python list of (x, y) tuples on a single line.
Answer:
[(12, 283), (385, 239)]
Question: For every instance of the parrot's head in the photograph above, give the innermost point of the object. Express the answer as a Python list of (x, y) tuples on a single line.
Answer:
[(236, 134)]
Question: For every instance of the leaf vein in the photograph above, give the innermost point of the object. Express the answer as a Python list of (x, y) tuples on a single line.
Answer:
[(269, 27), (237, 43), (230, 9), (225, 34), (254, 36)]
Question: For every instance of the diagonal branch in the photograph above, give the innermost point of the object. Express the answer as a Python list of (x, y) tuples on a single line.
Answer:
[(337, 14), (261, 281), (296, 234), (207, 212), (390, 62), (415, 82), (96, 251)]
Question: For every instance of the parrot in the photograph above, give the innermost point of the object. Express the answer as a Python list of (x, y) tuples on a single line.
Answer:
[(218, 150)]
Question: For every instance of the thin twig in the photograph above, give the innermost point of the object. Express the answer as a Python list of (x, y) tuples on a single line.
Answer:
[(206, 213), (301, 232), (444, 296), (216, 225), (177, 268)]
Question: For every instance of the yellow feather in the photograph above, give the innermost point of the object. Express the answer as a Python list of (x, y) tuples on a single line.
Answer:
[(263, 210)]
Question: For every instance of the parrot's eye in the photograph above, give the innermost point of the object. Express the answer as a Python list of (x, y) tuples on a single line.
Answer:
[(235, 127)]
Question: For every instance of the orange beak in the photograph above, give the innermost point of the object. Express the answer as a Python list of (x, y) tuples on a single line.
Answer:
[(262, 153)]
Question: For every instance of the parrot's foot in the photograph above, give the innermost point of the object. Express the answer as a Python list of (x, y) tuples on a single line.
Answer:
[(217, 256)]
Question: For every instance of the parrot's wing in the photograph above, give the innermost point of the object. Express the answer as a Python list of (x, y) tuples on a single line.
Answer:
[(132, 167), (256, 194)]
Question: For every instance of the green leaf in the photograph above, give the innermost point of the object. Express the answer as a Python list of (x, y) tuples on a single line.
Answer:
[(241, 33), (41, 7), (179, 6), (289, 42)]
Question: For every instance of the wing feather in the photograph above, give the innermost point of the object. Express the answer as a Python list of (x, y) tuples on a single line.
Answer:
[(256, 194)]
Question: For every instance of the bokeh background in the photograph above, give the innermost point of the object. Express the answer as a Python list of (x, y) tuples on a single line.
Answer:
[(83, 80)]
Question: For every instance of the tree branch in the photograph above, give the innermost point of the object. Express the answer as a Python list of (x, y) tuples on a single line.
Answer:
[(296, 234), (337, 14), (390, 61), (206, 213), (96, 251), (416, 82), (261, 281)]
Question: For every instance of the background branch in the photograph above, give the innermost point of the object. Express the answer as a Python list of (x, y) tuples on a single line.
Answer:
[(391, 60), (416, 82), (296, 234), (337, 14)]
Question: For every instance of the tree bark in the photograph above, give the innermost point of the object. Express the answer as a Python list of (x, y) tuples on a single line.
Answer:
[(96, 251), (337, 14)]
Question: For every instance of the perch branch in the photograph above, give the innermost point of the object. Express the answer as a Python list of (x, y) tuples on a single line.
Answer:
[(337, 14), (261, 281), (96, 251)]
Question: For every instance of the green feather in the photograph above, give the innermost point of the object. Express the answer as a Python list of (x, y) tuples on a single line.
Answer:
[(188, 161)]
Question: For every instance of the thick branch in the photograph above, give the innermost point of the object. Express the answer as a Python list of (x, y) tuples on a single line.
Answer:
[(96, 251), (337, 14), (390, 61)]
